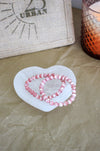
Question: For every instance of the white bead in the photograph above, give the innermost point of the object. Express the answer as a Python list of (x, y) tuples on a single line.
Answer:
[(61, 104), (55, 76), (47, 101), (42, 75), (47, 79), (62, 88), (59, 77), (43, 94), (72, 83), (63, 84), (63, 78), (69, 102), (54, 95), (73, 91), (41, 99), (74, 95), (51, 77), (45, 97)]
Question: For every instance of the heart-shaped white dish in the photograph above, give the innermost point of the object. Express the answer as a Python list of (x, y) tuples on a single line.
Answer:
[(26, 73)]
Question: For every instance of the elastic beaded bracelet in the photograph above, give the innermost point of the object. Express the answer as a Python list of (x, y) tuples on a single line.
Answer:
[(51, 77), (64, 79), (42, 97)]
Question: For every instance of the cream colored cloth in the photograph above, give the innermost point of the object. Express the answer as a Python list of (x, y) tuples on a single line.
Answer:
[(72, 128)]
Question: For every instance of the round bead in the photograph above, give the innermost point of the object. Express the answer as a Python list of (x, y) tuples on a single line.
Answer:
[(29, 79), (63, 77), (69, 101), (74, 95), (61, 104), (55, 77), (73, 91), (44, 75), (59, 77), (65, 103), (51, 103), (47, 101)]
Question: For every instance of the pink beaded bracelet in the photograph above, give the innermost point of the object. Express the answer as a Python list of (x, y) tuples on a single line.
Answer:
[(43, 96), (48, 98), (37, 95), (42, 84)]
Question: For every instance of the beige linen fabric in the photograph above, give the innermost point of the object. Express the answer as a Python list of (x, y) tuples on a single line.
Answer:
[(72, 128)]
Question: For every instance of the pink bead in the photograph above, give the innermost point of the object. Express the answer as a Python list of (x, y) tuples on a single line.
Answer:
[(73, 91), (37, 76), (51, 77), (63, 84), (69, 101), (66, 78), (53, 74), (40, 76), (33, 78), (41, 99), (51, 103), (56, 104), (59, 77), (73, 86), (26, 82), (47, 101), (72, 83), (65, 103), (55, 77), (31, 92), (29, 79), (61, 104), (62, 77), (60, 91), (34, 94), (26, 85), (26, 88), (45, 98), (72, 98), (44, 75), (57, 93), (50, 97), (37, 96), (41, 86), (54, 95), (74, 95), (48, 75), (69, 80), (41, 92), (43, 82), (47, 79), (62, 88)]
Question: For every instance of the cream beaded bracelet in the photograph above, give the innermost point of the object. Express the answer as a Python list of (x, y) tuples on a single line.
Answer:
[(48, 99)]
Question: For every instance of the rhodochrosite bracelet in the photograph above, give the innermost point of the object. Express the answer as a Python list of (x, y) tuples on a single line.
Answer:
[(48, 99)]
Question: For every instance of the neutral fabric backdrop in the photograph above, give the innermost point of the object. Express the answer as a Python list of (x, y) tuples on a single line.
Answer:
[(72, 128), (77, 3)]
